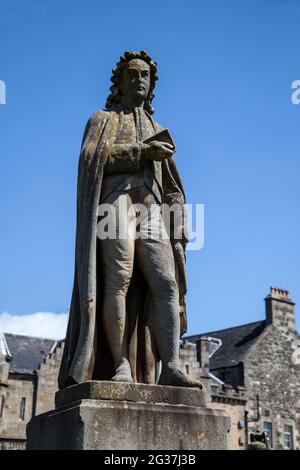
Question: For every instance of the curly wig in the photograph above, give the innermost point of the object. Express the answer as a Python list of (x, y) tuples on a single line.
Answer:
[(116, 93)]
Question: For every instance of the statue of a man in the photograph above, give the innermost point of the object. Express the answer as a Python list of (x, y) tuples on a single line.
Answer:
[(127, 310)]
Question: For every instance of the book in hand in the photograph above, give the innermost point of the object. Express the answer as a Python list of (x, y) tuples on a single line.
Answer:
[(162, 136)]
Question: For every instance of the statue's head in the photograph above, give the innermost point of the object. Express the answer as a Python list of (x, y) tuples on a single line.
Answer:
[(133, 78)]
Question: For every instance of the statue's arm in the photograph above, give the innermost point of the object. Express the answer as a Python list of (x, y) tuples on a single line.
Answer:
[(128, 158), (124, 158)]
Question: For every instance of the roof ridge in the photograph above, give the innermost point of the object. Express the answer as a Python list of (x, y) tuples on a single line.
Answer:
[(28, 336), (225, 329)]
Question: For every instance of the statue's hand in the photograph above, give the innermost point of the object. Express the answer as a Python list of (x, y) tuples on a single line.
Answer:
[(157, 151)]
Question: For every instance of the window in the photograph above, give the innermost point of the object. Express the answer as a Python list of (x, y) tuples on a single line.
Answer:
[(1, 406), (288, 437), (269, 434), (22, 408)]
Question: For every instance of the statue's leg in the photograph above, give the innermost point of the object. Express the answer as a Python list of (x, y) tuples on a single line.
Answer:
[(117, 263), (156, 261), (155, 258)]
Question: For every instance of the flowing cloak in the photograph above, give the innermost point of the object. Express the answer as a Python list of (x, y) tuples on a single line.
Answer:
[(86, 353)]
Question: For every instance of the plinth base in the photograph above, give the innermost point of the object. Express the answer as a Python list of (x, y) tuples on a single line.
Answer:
[(119, 416)]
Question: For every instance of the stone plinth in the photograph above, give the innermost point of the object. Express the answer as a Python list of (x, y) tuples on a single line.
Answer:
[(120, 416)]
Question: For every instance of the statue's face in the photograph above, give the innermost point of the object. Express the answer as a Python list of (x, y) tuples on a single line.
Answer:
[(136, 80)]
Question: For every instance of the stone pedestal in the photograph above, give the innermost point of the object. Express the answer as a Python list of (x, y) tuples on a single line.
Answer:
[(120, 416)]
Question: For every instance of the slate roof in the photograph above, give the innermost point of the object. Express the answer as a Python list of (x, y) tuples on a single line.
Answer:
[(236, 342), (27, 352)]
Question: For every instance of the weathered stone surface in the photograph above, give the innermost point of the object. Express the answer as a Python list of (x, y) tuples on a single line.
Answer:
[(47, 380), (117, 391), (263, 358), (272, 371), (126, 160), (143, 422)]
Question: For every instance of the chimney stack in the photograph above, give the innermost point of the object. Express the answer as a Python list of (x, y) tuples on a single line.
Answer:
[(203, 354), (280, 309)]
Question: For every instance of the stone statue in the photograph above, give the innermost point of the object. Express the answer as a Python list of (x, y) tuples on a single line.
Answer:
[(127, 310), (258, 441)]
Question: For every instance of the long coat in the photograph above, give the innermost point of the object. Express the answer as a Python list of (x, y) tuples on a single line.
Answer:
[(86, 354)]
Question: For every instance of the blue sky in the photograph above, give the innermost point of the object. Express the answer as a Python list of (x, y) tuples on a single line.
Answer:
[(224, 91)]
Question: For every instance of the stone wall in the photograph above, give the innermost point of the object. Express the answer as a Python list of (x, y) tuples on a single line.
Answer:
[(188, 359), (233, 402), (37, 389), (221, 397), (11, 423), (47, 380), (272, 372)]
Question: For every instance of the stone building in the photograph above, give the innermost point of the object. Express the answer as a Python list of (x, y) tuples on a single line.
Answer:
[(195, 355), (251, 371), (261, 361), (28, 382)]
